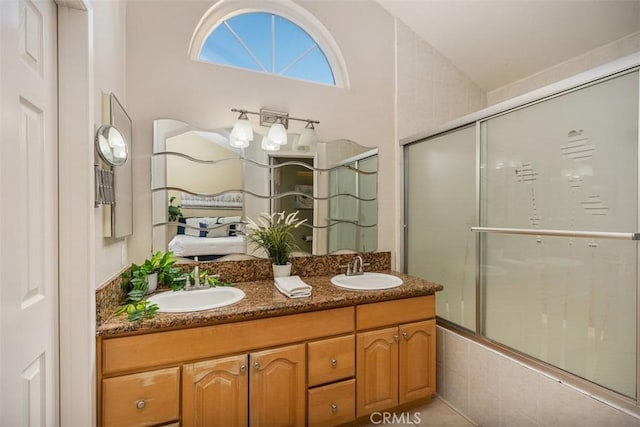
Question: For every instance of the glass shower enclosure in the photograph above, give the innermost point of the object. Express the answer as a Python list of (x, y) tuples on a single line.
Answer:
[(529, 219), (353, 208)]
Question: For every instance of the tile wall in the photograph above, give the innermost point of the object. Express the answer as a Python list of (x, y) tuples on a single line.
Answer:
[(494, 390)]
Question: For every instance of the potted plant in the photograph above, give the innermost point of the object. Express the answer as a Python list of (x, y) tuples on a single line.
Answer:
[(273, 233), (142, 279), (174, 212)]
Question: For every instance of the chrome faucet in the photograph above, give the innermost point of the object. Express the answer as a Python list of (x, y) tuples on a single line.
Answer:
[(196, 277), (355, 267)]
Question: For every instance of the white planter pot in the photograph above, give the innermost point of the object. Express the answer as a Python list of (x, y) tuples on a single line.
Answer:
[(152, 280), (281, 270)]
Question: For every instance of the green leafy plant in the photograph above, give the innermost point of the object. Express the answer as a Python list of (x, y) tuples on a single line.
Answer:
[(273, 234), (136, 282), (175, 211), (138, 310)]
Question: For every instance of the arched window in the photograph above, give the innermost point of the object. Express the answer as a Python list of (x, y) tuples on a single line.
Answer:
[(276, 37)]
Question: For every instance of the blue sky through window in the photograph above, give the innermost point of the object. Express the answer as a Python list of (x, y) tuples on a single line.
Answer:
[(268, 43)]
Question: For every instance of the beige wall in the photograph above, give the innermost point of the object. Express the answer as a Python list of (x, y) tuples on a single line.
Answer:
[(198, 177), (109, 66), (431, 90), (163, 83), (586, 61)]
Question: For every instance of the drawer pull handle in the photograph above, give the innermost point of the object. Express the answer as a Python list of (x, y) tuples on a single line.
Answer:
[(256, 365), (396, 337), (141, 404), (334, 362), (405, 334), (243, 368), (334, 408)]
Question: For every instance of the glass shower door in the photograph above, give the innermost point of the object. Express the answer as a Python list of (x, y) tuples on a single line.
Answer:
[(560, 185), (353, 208)]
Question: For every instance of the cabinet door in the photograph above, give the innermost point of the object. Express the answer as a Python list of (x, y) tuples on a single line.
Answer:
[(278, 387), (215, 392), (377, 370), (417, 367)]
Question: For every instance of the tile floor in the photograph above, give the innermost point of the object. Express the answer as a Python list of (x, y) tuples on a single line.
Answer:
[(436, 414)]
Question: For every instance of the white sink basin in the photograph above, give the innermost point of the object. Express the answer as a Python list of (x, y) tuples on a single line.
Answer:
[(196, 300), (367, 281)]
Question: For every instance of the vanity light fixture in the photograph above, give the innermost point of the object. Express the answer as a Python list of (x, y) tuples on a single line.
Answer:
[(307, 136), (269, 145), (277, 132), (242, 132)]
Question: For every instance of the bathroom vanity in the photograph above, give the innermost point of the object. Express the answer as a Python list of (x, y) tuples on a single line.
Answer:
[(268, 360)]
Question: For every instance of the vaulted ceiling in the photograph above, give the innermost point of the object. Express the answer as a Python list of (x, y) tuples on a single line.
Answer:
[(499, 42)]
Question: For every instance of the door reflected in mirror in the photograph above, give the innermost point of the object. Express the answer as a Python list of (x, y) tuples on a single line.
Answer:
[(203, 189)]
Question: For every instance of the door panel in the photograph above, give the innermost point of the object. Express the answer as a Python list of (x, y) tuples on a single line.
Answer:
[(29, 224), (215, 393), (278, 387), (417, 374), (377, 370)]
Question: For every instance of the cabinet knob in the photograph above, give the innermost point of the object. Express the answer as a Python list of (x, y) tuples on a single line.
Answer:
[(405, 334), (256, 365), (140, 404), (396, 337), (243, 368), (334, 362), (334, 408)]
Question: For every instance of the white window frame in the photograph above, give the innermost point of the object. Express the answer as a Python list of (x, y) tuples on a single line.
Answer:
[(227, 9)]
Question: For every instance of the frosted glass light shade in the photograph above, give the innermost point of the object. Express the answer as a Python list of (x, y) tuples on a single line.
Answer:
[(242, 130), (307, 137), (277, 134), (238, 143), (269, 145)]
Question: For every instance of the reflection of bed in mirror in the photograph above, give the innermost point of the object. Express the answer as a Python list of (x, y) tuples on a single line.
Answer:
[(208, 238), (333, 184)]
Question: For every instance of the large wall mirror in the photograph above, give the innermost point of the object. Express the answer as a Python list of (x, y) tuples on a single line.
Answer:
[(203, 190)]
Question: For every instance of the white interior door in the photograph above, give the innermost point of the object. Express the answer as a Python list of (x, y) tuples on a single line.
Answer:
[(28, 217)]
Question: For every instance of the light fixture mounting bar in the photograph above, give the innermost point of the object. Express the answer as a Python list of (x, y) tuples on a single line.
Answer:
[(269, 117)]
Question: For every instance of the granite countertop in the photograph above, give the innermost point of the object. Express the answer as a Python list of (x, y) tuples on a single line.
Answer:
[(264, 300)]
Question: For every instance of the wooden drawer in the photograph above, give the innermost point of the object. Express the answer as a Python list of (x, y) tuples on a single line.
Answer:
[(331, 360), (332, 404), (394, 312), (145, 351), (143, 399)]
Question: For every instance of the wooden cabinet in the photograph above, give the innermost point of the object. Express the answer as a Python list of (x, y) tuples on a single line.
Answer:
[(144, 399), (215, 392), (332, 404), (377, 353), (277, 387), (319, 368), (331, 360), (417, 361), (395, 364), (332, 366)]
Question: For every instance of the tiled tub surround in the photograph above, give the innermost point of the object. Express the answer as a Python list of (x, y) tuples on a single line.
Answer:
[(495, 390), (110, 295)]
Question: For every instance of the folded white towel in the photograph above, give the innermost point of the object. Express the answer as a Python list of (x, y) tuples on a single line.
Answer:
[(293, 286)]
